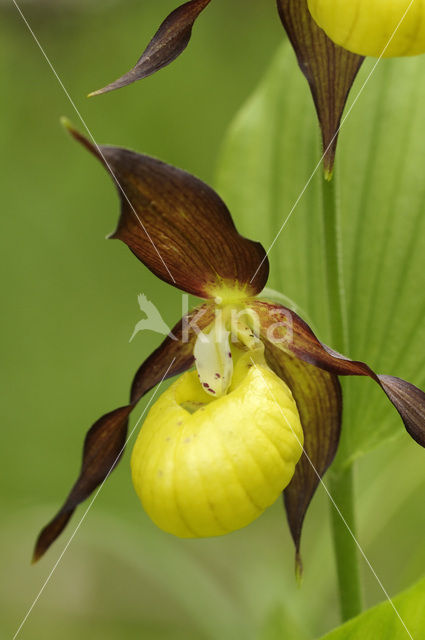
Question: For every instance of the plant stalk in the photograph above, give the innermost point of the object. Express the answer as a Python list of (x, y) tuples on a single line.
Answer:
[(341, 487), (341, 484)]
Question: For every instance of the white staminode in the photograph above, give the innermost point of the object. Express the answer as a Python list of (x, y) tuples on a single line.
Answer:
[(213, 359)]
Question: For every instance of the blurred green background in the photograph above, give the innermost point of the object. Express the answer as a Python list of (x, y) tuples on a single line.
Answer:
[(69, 307)]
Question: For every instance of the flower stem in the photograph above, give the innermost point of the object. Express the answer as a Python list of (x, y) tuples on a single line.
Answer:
[(341, 487), (333, 257), (341, 484)]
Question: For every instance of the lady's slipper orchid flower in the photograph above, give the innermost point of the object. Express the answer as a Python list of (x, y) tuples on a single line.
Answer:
[(261, 411), (375, 28), (330, 70)]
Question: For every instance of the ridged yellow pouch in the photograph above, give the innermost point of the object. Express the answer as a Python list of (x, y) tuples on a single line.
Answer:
[(205, 466)]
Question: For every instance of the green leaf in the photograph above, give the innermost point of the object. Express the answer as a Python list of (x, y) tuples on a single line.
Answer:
[(268, 159), (403, 620)]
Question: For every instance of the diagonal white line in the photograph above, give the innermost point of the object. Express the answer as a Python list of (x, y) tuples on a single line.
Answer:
[(316, 168), (91, 503), (335, 505), (74, 106)]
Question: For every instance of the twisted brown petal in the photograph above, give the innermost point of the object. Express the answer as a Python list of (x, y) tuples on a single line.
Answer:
[(168, 43), (330, 70), (178, 226), (106, 439), (319, 401), (280, 324)]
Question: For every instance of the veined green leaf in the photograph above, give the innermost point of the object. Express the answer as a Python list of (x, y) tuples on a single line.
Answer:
[(266, 177), (403, 620)]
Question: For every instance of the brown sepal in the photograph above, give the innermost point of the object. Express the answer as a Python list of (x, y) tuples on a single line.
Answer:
[(105, 441), (168, 43), (103, 447), (319, 401), (178, 226), (330, 71)]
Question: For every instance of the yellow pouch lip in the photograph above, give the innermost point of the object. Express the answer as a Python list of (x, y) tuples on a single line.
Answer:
[(209, 472)]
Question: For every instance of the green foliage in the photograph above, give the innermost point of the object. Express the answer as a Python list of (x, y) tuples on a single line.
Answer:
[(383, 622), (268, 160)]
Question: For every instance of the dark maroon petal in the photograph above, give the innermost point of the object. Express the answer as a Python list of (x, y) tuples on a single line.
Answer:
[(168, 43), (330, 70), (297, 338), (319, 401), (103, 447), (179, 227), (105, 441), (410, 403)]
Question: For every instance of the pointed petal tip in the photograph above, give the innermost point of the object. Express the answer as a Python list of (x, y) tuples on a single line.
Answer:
[(36, 556), (328, 173), (299, 569), (101, 91), (45, 539), (79, 137), (82, 139), (67, 124)]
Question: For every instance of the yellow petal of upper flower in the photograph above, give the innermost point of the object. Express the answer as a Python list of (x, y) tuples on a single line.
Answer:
[(203, 466), (387, 28)]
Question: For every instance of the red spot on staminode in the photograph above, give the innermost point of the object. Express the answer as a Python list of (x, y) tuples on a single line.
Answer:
[(217, 375)]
